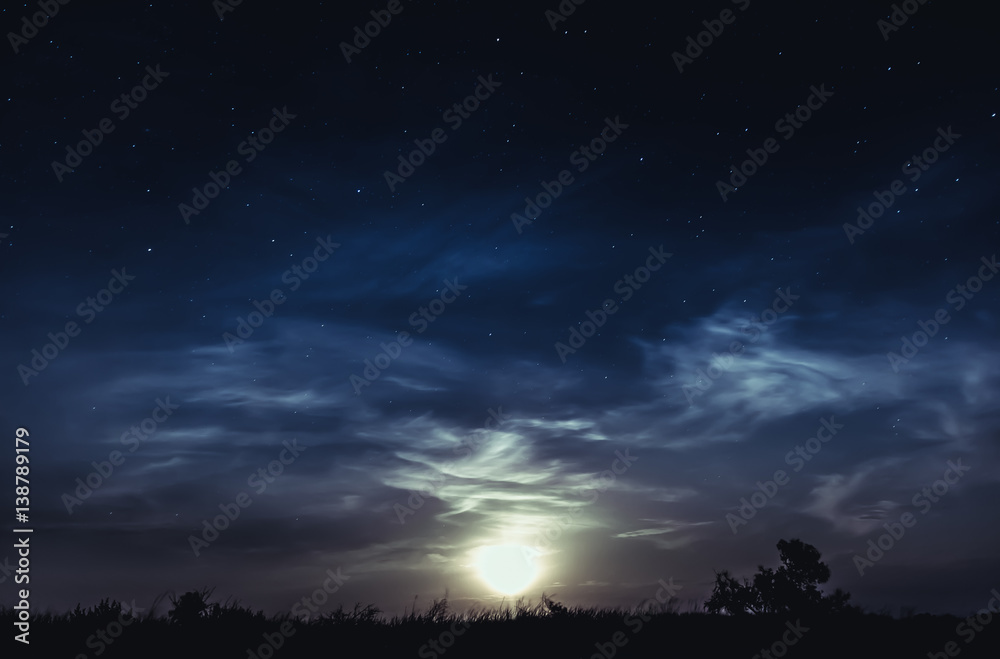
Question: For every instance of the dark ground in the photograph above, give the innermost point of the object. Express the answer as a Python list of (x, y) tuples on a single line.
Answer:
[(538, 632)]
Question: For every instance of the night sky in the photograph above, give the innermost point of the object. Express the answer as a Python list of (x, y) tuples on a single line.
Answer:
[(586, 284)]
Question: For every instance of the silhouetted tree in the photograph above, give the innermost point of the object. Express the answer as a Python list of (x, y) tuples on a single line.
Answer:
[(731, 596), (793, 587)]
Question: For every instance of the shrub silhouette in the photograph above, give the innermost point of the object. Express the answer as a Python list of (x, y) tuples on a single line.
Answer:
[(191, 607), (793, 587), (526, 630)]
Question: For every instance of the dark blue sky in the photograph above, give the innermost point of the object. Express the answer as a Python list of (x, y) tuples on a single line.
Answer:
[(719, 329)]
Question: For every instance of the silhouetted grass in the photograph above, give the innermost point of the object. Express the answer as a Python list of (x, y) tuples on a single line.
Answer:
[(193, 627)]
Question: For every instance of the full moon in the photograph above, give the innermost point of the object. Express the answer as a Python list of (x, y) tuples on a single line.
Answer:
[(507, 569)]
